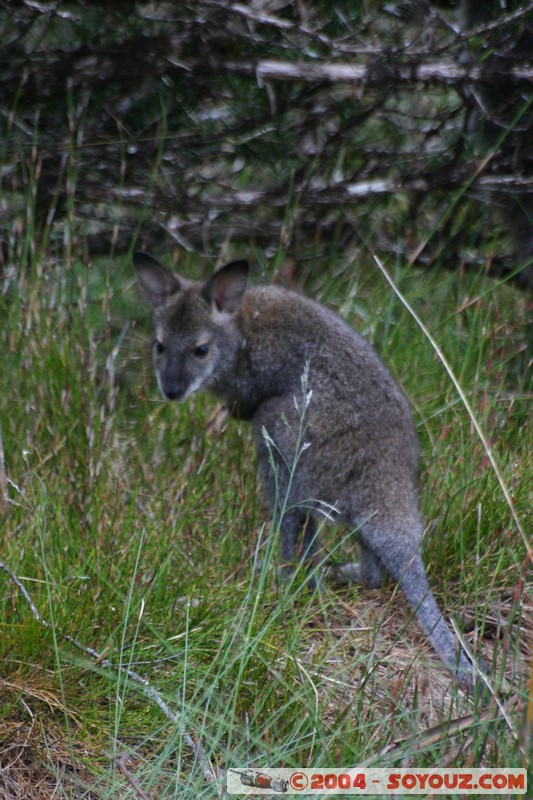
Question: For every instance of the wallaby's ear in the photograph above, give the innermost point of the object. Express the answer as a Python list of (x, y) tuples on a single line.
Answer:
[(227, 286), (157, 282)]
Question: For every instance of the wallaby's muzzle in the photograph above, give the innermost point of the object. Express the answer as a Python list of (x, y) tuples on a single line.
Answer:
[(171, 388), (172, 394)]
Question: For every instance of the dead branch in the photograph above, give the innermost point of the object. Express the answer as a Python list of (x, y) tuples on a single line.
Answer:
[(130, 62), (19, 585), (382, 72), (316, 194), (120, 761), (435, 734)]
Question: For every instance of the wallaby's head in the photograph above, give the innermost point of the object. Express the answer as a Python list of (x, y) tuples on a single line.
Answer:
[(196, 339)]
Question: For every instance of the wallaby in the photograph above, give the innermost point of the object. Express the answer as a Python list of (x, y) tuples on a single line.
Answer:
[(251, 346)]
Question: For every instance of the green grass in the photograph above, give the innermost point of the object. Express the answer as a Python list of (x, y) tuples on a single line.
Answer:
[(137, 528)]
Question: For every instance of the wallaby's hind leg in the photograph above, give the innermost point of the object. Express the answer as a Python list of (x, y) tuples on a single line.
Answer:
[(405, 565), (298, 540), (367, 571)]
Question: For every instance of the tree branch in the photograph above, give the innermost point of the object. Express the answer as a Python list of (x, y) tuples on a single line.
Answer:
[(317, 194), (382, 71)]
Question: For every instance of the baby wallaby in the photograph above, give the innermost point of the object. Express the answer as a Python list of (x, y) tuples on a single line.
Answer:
[(251, 346)]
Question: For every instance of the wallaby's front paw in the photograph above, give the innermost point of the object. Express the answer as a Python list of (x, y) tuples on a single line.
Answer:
[(286, 574), (343, 574)]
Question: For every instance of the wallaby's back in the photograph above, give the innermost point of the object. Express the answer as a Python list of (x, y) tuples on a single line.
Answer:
[(358, 425)]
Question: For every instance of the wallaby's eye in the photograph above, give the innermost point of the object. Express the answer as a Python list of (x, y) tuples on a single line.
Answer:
[(158, 346), (201, 351)]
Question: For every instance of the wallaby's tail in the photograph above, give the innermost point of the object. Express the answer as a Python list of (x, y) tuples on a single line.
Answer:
[(407, 567), (421, 600)]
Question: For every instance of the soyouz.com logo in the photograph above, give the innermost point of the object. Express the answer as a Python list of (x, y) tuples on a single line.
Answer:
[(347, 781)]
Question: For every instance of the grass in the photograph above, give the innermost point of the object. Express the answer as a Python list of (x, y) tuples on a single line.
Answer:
[(137, 529)]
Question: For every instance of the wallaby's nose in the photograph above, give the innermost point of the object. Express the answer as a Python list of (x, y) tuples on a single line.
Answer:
[(171, 386)]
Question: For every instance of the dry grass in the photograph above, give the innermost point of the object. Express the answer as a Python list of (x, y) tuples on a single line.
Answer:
[(37, 762)]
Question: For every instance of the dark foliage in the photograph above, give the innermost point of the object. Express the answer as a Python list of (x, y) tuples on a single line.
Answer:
[(274, 121)]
